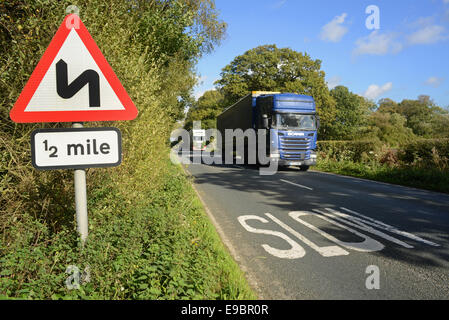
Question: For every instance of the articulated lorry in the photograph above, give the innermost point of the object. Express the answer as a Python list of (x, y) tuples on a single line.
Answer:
[(290, 120)]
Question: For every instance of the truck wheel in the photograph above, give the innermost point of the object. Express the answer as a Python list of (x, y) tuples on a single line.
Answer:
[(304, 168)]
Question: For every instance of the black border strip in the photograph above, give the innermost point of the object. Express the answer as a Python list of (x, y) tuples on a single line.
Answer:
[(99, 165)]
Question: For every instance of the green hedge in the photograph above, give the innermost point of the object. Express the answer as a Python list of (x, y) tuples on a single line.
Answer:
[(356, 151), (426, 152)]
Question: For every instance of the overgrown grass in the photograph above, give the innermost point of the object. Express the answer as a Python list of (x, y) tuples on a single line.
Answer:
[(433, 179), (161, 246)]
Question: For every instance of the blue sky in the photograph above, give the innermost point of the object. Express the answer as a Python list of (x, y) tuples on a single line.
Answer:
[(407, 56)]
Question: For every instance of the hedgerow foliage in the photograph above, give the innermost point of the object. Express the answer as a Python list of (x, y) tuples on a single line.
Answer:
[(356, 151), (152, 47), (148, 238), (426, 153), (422, 163)]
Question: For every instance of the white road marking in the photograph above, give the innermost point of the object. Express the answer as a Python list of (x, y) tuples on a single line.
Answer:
[(361, 224), (295, 184), (381, 225), (330, 251), (368, 244), (334, 217), (296, 250)]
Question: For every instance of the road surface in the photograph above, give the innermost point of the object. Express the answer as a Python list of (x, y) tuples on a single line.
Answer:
[(312, 235)]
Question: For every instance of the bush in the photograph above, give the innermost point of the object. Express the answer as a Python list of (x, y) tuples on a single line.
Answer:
[(390, 158), (356, 151), (426, 153), (420, 164), (428, 178)]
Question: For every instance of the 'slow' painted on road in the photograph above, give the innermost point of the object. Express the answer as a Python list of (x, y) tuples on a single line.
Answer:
[(340, 219)]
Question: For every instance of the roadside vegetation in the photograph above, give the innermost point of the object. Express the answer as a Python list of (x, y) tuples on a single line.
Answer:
[(419, 164), (149, 237)]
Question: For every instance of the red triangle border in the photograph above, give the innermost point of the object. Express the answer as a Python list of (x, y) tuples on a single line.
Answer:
[(18, 113)]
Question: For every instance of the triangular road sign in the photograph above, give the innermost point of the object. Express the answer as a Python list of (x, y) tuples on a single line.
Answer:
[(73, 82)]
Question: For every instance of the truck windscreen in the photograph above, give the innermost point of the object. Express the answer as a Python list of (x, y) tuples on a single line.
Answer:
[(296, 121)]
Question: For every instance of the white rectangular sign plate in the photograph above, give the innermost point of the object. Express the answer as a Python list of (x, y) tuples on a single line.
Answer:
[(199, 132), (76, 148)]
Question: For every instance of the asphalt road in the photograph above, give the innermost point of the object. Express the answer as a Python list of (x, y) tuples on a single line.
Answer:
[(311, 235)]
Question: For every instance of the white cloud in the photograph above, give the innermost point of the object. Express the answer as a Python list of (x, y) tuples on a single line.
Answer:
[(427, 35), (279, 4), (434, 81), (425, 31), (422, 22), (333, 82), (377, 44), (334, 30), (374, 91)]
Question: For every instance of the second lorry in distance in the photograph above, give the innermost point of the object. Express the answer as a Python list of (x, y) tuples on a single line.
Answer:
[(291, 122), (197, 140)]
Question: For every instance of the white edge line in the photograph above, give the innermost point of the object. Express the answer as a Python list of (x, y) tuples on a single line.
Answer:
[(380, 182)]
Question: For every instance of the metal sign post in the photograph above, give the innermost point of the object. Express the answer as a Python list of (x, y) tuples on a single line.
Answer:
[(77, 148), (81, 199)]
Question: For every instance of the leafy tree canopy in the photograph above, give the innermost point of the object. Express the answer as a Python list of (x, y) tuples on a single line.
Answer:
[(268, 68), (206, 110), (422, 115), (352, 112), (389, 128)]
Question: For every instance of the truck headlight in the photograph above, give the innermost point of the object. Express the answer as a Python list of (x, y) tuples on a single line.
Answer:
[(275, 155), (313, 156)]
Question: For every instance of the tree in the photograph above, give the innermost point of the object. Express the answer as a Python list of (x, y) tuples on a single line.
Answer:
[(268, 68), (206, 110), (389, 128), (174, 35), (352, 111), (388, 105), (440, 123), (422, 115), (418, 115)]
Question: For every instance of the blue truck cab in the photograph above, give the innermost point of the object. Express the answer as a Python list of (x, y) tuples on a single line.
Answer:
[(291, 119)]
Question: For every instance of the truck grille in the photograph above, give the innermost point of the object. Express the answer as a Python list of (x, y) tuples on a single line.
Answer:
[(294, 148)]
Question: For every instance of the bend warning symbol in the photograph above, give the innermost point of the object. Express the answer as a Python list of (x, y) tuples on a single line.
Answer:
[(67, 91), (73, 82)]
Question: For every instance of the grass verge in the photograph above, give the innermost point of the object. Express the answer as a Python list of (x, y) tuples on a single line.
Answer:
[(157, 245), (423, 178)]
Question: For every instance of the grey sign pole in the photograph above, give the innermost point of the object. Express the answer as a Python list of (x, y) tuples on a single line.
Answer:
[(81, 199), (80, 179)]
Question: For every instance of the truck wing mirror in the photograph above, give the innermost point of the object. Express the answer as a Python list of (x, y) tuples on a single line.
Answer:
[(317, 123), (265, 121)]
